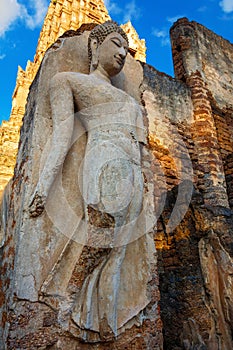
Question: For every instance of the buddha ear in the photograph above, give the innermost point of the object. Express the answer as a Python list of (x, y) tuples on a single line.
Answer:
[(94, 54)]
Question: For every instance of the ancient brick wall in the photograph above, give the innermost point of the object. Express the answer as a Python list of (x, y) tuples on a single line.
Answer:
[(224, 127), (202, 60), (194, 283), (170, 109), (217, 56)]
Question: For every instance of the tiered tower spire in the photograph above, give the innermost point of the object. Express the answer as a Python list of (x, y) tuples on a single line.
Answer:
[(64, 15)]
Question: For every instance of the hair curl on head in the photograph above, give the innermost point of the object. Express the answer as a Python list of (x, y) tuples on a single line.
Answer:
[(101, 31)]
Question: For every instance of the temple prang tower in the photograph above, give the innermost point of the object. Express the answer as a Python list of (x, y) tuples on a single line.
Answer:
[(62, 15)]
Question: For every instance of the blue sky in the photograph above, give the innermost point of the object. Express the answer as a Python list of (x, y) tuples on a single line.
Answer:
[(21, 20)]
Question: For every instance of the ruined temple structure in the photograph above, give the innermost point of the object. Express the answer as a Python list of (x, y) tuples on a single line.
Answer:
[(62, 15), (187, 165)]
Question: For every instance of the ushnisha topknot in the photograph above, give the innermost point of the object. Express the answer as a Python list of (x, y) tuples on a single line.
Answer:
[(101, 31)]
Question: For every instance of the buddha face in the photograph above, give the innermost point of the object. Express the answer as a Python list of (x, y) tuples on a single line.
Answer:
[(111, 54)]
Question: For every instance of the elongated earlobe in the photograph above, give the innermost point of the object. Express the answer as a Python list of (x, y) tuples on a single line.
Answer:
[(95, 54)]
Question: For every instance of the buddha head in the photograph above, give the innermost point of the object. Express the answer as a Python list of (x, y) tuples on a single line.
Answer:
[(107, 48)]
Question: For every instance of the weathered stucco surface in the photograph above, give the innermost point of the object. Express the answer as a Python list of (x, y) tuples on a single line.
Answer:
[(194, 258)]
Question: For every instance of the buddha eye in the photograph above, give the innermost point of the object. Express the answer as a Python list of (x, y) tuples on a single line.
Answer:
[(116, 42)]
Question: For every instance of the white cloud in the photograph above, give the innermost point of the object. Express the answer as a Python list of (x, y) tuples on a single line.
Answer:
[(163, 35), (174, 18), (160, 33), (132, 11), (128, 13), (202, 9), (2, 56), (39, 9), (226, 5), (12, 10), (112, 7)]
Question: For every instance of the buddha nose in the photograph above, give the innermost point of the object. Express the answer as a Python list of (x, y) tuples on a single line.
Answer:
[(122, 52)]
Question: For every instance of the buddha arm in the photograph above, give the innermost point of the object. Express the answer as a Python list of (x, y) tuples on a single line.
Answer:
[(62, 106)]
